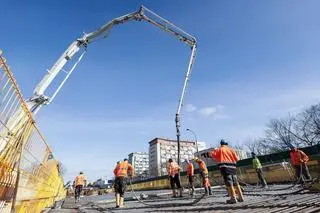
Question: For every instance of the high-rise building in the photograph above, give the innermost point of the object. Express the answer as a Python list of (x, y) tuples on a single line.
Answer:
[(161, 149), (140, 163)]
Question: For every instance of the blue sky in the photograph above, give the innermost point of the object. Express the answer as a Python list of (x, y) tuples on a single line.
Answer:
[(256, 60)]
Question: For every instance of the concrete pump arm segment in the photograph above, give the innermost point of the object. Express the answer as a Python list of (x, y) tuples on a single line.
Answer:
[(39, 99)]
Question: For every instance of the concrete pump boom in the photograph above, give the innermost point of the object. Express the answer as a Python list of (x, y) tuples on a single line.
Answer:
[(39, 99)]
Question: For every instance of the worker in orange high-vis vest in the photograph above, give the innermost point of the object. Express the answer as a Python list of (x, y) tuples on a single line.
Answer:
[(299, 161), (174, 175), (227, 159), (121, 172), (79, 182), (190, 175), (205, 175)]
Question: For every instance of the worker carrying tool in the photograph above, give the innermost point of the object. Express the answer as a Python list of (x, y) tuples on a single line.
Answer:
[(299, 161), (204, 175), (121, 173), (257, 166), (190, 174), (79, 182), (227, 159), (174, 175)]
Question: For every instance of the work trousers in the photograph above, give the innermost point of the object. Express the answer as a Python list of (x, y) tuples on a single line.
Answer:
[(190, 178), (175, 181), (205, 179), (261, 177), (230, 180), (302, 172), (120, 185), (78, 190)]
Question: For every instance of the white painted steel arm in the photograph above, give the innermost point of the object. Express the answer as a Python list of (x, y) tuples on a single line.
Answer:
[(38, 99)]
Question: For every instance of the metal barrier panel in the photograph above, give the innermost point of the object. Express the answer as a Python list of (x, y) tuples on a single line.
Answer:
[(29, 175)]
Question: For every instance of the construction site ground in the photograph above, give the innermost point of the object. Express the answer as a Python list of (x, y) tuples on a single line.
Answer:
[(283, 198)]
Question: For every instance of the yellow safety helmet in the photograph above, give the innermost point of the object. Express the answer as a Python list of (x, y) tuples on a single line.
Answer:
[(195, 159)]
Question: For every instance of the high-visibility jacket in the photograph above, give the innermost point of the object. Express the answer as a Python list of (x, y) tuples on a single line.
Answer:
[(123, 169), (298, 157), (256, 163), (173, 168), (79, 180), (202, 166), (190, 169), (225, 156)]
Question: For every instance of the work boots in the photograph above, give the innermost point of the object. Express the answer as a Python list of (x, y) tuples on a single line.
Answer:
[(121, 201), (210, 192), (117, 200), (239, 193), (174, 193), (181, 191), (206, 190), (232, 193), (228, 192), (192, 191)]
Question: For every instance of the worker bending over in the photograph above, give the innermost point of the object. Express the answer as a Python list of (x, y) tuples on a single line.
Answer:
[(227, 158), (174, 175), (205, 175), (190, 174), (299, 161), (257, 166), (121, 172), (79, 182)]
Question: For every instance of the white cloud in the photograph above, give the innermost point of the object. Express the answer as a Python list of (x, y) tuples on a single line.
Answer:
[(208, 111), (190, 108)]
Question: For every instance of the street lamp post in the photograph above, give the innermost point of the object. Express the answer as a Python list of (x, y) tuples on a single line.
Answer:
[(196, 140)]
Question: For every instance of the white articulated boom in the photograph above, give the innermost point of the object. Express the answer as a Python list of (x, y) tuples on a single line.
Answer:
[(143, 14)]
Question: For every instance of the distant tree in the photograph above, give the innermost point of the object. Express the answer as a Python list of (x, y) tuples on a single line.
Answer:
[(304, 129), (238, 145), (251, 144), (309, 125), (256, 145), (300, 130), (279, 134)]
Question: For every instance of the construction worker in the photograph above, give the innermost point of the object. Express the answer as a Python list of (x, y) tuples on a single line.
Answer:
[(79, 182), (257, 166), (227, 158), (190, 174), (299, 161), (121, 172), (205, 175), (174, 175)]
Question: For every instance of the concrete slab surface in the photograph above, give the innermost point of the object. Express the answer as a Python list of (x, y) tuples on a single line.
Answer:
[(277, 198)]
